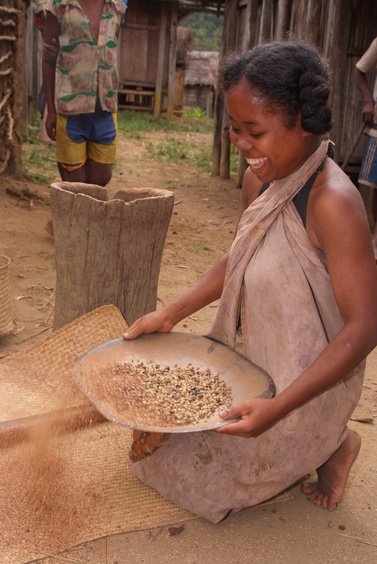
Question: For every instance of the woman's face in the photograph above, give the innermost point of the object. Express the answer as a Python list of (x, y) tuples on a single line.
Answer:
[(257, 129)]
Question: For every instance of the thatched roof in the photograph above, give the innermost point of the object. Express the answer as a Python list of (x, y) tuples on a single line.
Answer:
[(201, 68)]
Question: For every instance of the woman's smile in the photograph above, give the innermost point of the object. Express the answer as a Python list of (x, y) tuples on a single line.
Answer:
[(256, 164)]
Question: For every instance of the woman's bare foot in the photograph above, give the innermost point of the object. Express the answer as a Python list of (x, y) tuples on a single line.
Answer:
[(333, 475)]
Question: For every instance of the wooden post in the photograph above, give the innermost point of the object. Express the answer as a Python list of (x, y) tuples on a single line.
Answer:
[(241, 169), (216, 147), (313, 22), (229, 45), (265, 32), (337, 53), (225, 146), (172, 58), (247, 42), (252, 24), (160, 60), (283, 18), (107, 251)]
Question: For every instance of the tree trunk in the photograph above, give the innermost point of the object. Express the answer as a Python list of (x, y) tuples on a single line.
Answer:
[(107, 251)]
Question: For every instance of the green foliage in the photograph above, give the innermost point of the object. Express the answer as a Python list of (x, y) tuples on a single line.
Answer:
[(206, 31), (38, 177), (33, 129), (194, 113)]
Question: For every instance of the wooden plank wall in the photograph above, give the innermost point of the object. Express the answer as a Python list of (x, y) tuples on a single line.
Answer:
[(144, 54), (342, 30)]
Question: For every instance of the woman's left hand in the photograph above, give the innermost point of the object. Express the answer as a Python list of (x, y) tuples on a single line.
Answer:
[(256, 415)]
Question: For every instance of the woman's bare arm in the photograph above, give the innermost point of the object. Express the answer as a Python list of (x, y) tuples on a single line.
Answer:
[(336, 223)]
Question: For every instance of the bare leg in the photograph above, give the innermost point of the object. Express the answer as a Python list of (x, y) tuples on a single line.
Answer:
[(76, 175), (90, 172), (333, 475), (98, 173)]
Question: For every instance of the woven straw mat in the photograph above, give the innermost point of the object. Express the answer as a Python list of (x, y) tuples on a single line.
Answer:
[(6, 320), (57, 491)]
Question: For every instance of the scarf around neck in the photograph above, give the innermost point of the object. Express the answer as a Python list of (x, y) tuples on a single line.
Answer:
[(254, 224)]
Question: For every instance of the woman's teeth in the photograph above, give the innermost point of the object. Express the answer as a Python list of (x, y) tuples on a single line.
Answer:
[(256, 163)]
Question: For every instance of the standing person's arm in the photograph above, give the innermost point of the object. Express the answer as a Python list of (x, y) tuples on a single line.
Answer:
[(363, 86), (51, 37), (366, 64)]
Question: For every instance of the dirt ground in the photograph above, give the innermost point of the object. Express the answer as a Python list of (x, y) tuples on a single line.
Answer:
[(201, 229)]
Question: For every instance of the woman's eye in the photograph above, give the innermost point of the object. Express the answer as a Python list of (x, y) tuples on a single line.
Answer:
[(255, 135)]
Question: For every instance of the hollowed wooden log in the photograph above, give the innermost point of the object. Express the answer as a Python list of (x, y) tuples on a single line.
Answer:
[(108, 251)]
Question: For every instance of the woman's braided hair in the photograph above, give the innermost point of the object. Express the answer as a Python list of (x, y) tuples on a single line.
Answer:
[(291, 75)]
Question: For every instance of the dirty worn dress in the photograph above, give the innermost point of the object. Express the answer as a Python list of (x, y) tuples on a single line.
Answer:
[(278, 282)]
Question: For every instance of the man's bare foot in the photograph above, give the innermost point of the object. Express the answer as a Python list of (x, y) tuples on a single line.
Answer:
[(333, 474)]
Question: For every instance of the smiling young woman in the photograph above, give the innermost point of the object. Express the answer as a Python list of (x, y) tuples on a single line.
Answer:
[(300, 280)]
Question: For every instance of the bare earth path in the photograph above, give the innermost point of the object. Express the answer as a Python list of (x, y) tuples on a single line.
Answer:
[(201, 229)]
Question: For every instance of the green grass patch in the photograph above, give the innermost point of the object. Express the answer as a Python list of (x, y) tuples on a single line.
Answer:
[(198, 155), (198, 246), (38, 159), (133, 124)]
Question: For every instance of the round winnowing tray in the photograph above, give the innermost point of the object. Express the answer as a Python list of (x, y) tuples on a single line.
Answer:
[(167, 349)]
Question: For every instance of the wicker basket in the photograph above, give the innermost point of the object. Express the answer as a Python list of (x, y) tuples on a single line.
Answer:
[(6, 320)]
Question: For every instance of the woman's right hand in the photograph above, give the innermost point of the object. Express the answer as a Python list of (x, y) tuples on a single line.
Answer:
[(50, 51), (150, 323)]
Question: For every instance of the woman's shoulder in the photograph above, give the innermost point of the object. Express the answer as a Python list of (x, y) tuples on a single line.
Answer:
[(332, 184), (334, 199)]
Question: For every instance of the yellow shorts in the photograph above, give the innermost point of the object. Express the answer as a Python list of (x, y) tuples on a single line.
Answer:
[(83, 136)]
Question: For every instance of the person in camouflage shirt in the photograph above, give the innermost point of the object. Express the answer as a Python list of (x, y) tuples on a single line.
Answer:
[(81, 87)]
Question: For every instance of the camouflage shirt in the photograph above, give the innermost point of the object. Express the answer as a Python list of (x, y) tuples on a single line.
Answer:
[(85, 68)]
